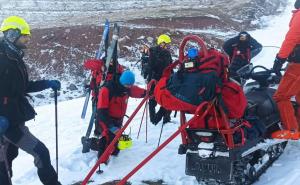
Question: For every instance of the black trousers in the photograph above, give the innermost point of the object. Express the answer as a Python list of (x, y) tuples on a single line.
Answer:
[(234, 67), (162, 113), (20, 137)]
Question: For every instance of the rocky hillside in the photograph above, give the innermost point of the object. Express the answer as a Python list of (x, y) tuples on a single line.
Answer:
[(66, 32)]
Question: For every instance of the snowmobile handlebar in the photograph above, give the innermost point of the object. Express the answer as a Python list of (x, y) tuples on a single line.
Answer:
[(194, 38), (263, 77)]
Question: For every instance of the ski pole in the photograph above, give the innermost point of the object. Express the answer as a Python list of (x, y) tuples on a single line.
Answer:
[(4, 124), (5, 161), (141, 121), (161, 130), (147, 106), (175, 114), (56, 132)]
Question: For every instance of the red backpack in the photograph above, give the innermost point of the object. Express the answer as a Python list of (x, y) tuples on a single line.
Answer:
[(184, 92)]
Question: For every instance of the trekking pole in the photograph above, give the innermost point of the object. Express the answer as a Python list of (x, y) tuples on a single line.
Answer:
[(141, 121), (4, 124), (5, 161), (147, 106), (161, 130), (175, 114), (56, 133)]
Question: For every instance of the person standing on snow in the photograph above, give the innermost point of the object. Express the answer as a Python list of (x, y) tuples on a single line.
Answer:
[(159, 59), (14, 105), (240, 49), (112, 105), (289, 84), (144, 61)]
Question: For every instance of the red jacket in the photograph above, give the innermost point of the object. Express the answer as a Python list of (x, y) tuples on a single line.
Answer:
[(292, 37), (96, 68), (112, 101)]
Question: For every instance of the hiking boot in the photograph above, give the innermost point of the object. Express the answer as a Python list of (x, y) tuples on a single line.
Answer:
[(166, 119), (286, 134), (116, 152)]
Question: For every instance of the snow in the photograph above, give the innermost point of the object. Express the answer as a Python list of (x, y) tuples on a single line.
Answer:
[(167, 165)]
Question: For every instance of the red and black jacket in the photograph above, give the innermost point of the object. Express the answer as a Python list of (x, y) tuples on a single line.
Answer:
[(96, 68), (242, 50), (112, 103)]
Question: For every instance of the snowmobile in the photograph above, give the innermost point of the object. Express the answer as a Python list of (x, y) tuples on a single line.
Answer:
[(228, 157)]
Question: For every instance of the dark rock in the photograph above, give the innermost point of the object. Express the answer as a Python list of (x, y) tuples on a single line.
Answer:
[(72, 87), (40, 96)]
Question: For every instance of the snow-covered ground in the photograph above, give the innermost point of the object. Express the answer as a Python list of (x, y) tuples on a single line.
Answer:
[(167, 165)]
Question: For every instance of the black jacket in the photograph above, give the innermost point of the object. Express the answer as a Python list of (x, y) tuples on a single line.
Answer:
[(254, 46), (159, 59), (14, 85)]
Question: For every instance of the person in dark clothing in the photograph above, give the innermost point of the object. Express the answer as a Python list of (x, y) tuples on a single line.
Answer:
[(14, 105), (145, 61), (240, 49), (112, 105), (159, 59)]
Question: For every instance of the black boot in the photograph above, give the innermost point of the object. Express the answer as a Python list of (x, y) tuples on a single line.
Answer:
[(167, 117), (159, 115), (152, 105)]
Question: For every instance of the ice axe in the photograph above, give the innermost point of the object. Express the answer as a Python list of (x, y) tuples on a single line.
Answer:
[(4, 124)]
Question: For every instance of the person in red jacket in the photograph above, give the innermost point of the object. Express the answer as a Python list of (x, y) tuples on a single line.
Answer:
[(112, 105), (97, 67), (289, 84)]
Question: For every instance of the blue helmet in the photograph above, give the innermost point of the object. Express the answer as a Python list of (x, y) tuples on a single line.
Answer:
[(3, 125), (127, 78), (192, 53)]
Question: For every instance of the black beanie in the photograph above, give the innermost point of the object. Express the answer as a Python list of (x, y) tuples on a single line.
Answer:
[(297, 4)]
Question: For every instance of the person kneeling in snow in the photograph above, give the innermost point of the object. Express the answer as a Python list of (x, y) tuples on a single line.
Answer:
[(112, 105)]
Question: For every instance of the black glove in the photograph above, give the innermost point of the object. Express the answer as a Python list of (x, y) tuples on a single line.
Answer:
[(278, 63), (54, 84)]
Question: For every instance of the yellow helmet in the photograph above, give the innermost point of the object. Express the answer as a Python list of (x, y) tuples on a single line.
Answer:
[(15, 22), (163, 38), (125, 142)]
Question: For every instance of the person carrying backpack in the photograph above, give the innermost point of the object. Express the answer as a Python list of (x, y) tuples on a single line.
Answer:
[(14, 105), (159, 59), (240, 49), (96, 66), (112, 105)]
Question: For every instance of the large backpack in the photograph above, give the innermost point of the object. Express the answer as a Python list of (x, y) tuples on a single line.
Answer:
[(186, 89)]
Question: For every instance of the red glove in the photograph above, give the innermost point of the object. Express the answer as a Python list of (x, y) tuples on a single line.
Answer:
[(93, 64)]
